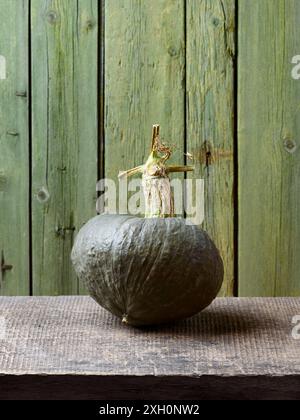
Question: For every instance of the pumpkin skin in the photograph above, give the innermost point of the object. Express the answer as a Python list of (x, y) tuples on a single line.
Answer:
[(150, 271)]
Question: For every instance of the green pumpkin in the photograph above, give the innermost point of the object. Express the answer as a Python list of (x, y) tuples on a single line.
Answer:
[(149, 270)]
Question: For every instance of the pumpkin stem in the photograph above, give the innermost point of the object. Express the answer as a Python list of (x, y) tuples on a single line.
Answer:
[(159, 201), (133, 171), (155, 135)]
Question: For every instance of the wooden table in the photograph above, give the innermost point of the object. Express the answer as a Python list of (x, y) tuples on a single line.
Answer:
[(68, 347)]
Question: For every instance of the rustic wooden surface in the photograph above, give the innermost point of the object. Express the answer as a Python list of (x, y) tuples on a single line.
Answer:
[(14, 145), (64, 135), (210, 58), (62, 340), (268, 137)]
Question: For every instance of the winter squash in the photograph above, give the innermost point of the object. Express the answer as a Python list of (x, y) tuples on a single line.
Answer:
[(149, 270)]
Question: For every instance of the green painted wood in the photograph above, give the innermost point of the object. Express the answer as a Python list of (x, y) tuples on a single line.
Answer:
[(210, 117), (14, 149), (144, 80), (269, 154), (64, 135)]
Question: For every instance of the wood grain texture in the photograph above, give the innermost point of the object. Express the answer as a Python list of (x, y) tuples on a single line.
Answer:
[(75, 336), (210, 51), (14, 149), (70, 348), (268, 135), (144, 80), (64, 141)]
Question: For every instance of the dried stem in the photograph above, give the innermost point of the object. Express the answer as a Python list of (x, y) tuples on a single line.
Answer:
[(155, 135), (130, 172), (156, 183)]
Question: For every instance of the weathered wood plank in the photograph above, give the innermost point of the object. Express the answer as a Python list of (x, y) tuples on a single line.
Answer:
[(144, 80), (269, 130), (14, 148), (64, 128), (210, 53), (146, 388), (232, 343)]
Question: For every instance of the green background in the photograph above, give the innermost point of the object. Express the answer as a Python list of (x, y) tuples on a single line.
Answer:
[(86, 80)]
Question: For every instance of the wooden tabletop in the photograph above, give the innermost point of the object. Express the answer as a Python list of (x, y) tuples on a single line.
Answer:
[(71, 347)]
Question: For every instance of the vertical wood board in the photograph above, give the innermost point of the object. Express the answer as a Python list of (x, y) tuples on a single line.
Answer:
[(14, 149), (210, 118), (64, 142), (269, 153), (144, 80)]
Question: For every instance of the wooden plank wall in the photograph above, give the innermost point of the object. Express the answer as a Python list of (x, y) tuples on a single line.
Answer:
[(95, 75), (268, 139), (153, 76)]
